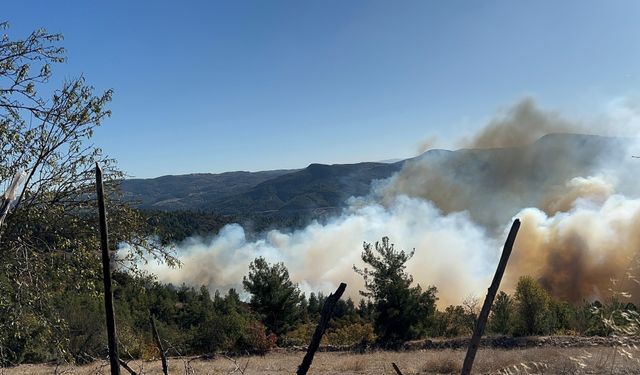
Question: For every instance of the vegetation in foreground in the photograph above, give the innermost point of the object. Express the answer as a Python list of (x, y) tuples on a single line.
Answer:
[(392, 312)]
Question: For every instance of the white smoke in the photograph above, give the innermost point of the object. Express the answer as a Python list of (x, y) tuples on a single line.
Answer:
[(321, 256), (573, 238)]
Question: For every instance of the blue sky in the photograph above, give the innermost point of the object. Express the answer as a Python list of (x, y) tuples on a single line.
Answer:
[(212, 86)]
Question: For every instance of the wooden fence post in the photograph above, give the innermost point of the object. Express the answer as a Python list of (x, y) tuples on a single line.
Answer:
[(488, 301), (106, 273), (156, 337), (126, 366), (396, 368), (327, 311)]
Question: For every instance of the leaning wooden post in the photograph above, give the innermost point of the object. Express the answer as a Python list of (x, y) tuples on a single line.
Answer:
[(395, 367), (325, 316), (106, 273), (156, 337), (126, 366), (488, 301)]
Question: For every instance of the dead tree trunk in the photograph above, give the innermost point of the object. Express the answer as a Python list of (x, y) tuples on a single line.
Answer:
[(488, 301), (327, 311), (156, 337), (106, 272)]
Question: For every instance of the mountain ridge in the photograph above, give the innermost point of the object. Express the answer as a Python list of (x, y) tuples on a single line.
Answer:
[(328, 186)]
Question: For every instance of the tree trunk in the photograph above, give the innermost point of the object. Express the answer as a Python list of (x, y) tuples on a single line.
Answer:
[(327, 311)]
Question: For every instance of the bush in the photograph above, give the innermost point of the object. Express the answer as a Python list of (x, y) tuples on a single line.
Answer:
[(300, 336), (453, 322), (351, 334), (255, 338)]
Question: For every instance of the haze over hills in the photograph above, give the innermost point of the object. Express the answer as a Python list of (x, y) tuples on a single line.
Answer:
[(318, 186), (489, 183), (191, 191)]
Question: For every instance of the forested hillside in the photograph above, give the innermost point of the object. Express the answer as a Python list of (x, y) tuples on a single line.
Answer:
[(193, 191), (490, 184)]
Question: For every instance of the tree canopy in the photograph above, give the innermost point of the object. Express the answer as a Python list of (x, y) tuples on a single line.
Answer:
[(401, 311), (273, 295), (49, 239)]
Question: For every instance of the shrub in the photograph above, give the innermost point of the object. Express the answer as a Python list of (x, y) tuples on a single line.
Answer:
[(351, 334), (255, 338), (300, 336)]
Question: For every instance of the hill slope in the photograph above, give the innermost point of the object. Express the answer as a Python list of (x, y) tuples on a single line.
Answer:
[(191, 191), (489, 183), (318, 186)]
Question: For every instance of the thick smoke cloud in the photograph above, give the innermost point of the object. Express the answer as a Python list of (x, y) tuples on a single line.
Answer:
[(494, 184), (576, 197), (575, 254), (520, 125), (322, 255)]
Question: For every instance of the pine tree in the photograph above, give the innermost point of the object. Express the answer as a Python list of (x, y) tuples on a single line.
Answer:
[(401, 311), (273, 295)]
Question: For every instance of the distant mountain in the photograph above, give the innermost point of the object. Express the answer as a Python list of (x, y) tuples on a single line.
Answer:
[(318, 186), (483, 181), (191, 191)]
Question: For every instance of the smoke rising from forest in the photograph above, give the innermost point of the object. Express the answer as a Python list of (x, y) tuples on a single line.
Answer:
[(520, 125), (322, 255), (575, 254), (580, 216)]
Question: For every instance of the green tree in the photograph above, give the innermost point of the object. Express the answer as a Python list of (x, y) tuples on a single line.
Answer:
[(532, 306), (273, 295), (562, 316), (452, 322), (45, 131), (313, 306), (401, 311), (502, 314)]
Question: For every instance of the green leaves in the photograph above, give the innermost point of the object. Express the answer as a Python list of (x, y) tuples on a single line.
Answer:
[(273, 295), (401, 311), (48, 242), (533, 304)]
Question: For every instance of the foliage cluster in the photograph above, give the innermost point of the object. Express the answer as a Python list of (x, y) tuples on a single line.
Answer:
[(48, 241), (401, 311)]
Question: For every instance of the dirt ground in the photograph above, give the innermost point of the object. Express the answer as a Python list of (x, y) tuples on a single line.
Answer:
[(546, 360)]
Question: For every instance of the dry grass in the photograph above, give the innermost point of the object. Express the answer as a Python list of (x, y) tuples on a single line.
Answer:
[(492, 361)]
